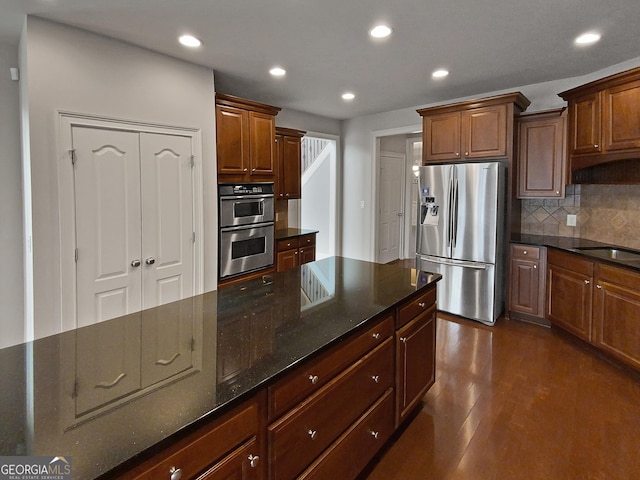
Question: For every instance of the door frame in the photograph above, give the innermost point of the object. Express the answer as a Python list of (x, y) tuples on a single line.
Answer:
[(66, 201), (375, 139)]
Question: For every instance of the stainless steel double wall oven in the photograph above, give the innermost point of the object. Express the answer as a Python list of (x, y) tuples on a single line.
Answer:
[(246, 227)]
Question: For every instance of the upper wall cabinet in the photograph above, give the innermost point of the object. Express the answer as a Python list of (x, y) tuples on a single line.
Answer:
[(245, 139), (472, 130), (541, 154), (604, 120), (289, 163)]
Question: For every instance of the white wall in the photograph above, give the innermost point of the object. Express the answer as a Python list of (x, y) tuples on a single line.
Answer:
[(359, 157), (77, 71), (11, 274)]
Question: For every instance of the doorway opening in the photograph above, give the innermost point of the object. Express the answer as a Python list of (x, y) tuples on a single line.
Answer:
[(398, 154), (318, 207)]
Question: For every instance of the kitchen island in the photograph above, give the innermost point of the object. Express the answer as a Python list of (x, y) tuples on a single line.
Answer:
[(135, 394)]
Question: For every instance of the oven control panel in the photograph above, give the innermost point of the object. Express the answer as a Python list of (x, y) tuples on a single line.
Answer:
[(228, 189)]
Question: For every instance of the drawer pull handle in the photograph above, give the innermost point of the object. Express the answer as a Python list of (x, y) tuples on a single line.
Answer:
[(376, 336), (375, 435), (254, 460), (524, 252), (176, 473), (313, 379), (376, 378), (535, 267), (422, 304), (312, 434)]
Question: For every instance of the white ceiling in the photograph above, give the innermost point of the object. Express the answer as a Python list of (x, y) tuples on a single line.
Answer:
[(324, 45)]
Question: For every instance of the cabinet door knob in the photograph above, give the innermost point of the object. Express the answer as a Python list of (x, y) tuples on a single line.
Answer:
[(313, 379), (375, 378), (599, 287), (253, 169), (466, 154), (596, 145), (557, 192), (403, 339), (535, 267), (150, 261), (254, 460), (176, 473), (457, 154), (246, 169), (375, 435), (587, 282), (524, 252), (312, 434), (135, 263), (376, 336)]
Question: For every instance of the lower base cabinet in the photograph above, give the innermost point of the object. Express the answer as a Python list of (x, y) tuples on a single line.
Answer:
[(597, 302), (325, 419)]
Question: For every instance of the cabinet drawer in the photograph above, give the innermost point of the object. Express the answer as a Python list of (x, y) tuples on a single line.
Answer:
[(411, 308), (525, 252), (348, 455), (202, 448), (287, 244), (308, 378), (243, 463), (300, 436), (307, 240)]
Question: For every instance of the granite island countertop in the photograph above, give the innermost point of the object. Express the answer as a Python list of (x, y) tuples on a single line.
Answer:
[(239, 339), (284, 233), (579, 246)]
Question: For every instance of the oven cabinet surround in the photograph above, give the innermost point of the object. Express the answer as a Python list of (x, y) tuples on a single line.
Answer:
[(245, 139), (541, 154), (603, 121), (294, 247), (527, 283), (597, 302), (288, 178), (472, 130)]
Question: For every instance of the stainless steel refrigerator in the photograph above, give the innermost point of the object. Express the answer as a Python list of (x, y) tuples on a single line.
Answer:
[(461, 236)]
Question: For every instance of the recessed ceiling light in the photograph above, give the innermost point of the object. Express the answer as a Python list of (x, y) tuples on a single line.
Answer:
[(440, 73), (277, 71), (348, 96), (189, 41), (380, 31), (587, 38)]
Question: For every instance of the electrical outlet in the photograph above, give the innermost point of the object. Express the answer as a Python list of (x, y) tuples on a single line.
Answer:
[(361, 203), (571, 220)]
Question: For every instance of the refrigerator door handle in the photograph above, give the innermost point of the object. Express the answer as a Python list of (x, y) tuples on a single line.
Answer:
[(450, 212), (454, 217), (454, 263)]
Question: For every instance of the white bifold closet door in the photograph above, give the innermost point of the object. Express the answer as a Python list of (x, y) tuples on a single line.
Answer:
[(134, 221)]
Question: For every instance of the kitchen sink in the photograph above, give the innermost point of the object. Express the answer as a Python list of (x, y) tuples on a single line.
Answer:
[(611, 253)]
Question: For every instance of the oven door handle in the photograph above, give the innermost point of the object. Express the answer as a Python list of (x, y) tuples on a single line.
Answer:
[(246, 227), (245, 197)]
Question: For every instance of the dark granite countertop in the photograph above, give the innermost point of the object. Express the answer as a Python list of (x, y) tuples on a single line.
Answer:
[(244, 337), (581, 246), (283, 233)]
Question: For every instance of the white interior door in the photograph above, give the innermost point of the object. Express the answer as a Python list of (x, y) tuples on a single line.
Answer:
[(108, 223), (134, 221), (167, 218), (390, 206)]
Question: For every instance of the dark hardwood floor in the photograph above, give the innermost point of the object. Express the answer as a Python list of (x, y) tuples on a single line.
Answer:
[(518, 401)]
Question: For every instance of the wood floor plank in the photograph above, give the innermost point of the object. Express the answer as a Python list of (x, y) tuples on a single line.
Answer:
[(518, 401)]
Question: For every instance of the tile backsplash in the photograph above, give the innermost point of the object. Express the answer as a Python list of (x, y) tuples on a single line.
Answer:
[(606, 213)]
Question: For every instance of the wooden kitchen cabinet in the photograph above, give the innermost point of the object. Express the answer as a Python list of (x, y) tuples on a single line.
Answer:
[(616, 313), (289, 165), (245, 139), (415, 353), (603, 124), (471, 130), (541, 148), (569, 292), (204, 453), (527, 282), (295, 251)]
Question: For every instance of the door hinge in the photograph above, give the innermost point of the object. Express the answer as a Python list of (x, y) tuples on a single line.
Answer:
[(193, 161), (72, 154), (75, 255), (193, 344), (74, 393), (193, 237)]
